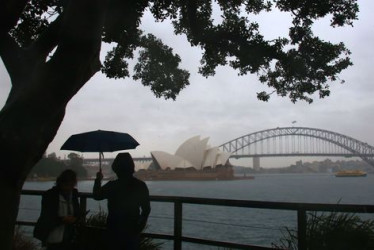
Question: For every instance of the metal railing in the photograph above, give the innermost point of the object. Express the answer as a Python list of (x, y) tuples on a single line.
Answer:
[(300, 208)]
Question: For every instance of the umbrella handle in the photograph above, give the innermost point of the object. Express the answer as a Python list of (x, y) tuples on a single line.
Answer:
[(101, 155)]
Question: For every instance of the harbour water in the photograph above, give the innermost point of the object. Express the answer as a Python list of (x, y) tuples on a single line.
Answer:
[(240, 225)]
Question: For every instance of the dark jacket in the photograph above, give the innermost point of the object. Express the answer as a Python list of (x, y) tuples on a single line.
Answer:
[(128, 204), (49, 218)]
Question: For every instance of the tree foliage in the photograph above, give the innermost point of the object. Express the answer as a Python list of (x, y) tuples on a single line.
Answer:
[(51, 166), (76, 163), (48, 166), (296, 65)]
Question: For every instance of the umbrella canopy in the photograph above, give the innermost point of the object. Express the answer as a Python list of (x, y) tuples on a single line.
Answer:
[(100, 141)]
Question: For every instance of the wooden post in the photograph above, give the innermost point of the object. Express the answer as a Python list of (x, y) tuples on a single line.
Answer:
[(177, 225), (301, 229)]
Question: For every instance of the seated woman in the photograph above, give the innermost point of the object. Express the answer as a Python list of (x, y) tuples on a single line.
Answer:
[(59, 212)]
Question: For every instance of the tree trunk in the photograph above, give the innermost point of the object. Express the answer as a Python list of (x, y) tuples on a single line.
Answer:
[(40, 92), (24, 137), (8, 212)]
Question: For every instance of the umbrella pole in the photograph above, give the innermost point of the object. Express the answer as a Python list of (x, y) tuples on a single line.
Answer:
[(100, 161)]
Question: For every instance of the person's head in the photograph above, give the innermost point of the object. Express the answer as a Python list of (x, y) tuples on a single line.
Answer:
[(66, 181), (123, 165)]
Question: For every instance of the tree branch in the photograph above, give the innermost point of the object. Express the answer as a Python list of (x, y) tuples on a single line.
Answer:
[(76, 58), (10, 11), (10, 53), (47, 41), (193, 22)]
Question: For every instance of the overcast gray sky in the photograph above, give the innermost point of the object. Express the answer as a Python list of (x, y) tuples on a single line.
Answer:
[(225, 106)]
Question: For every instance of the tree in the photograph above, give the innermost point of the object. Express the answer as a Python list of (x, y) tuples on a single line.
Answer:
[(51, 49), (76, 164), (49, 166)]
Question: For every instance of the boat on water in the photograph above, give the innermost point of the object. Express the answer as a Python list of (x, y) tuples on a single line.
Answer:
[(350, 173)]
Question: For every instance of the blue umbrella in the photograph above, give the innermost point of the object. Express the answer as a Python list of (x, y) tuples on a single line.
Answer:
[(100, 141)]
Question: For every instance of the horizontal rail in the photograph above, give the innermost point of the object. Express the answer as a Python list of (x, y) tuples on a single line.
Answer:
[(178, 238), (268, 204)]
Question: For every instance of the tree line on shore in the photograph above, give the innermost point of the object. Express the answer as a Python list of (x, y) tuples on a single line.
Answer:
[(51, 166)]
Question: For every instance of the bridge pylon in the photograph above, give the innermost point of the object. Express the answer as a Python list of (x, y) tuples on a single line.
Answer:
[(256, 163)]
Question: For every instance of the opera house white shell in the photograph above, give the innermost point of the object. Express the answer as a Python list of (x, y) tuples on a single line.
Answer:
[(142, 165), (194, 152)]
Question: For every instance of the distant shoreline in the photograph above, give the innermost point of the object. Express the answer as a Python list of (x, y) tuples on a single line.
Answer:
[(237, 176)]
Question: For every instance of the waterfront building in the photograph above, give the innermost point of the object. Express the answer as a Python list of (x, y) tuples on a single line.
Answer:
[(193, 153)]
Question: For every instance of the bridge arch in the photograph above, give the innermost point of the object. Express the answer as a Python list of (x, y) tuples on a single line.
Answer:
[(355, 147)]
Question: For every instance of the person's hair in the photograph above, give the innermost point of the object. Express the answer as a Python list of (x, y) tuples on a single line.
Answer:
[(67, 176), (123, 164)]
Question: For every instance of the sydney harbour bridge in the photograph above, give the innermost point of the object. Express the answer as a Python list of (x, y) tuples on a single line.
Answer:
[(289, 141), (297, 141)]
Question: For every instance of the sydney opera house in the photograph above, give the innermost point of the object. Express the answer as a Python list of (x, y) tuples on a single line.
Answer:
[(194, 159), (194, 152)]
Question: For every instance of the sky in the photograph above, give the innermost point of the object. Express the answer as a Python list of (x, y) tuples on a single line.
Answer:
[(223, 107)]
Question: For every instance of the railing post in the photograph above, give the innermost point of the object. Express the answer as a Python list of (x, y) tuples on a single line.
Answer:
[(301, 229), (177, 225), (83, 208)]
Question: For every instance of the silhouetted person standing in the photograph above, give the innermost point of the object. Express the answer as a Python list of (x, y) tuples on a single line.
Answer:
[(128, 204), (59, 212)]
